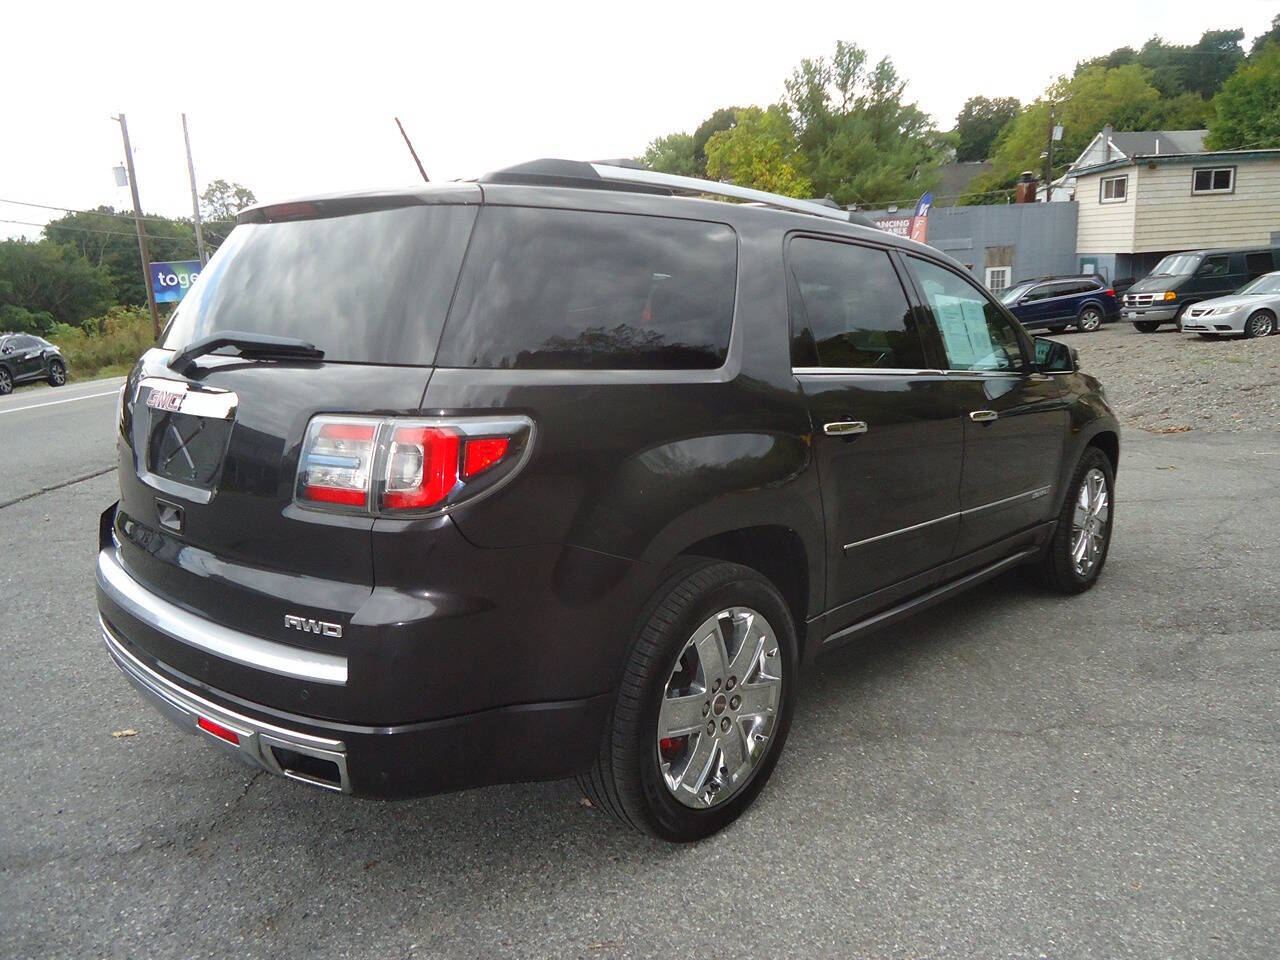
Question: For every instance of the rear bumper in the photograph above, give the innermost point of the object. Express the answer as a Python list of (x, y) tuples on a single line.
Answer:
[(270, 747), (539, 741)]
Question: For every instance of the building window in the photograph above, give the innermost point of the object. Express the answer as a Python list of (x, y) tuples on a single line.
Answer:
[(999, 278), (1213, 180), (1115, 189)]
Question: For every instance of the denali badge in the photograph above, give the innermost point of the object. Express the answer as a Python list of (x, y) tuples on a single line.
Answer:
[(166, 400), (312, 626)]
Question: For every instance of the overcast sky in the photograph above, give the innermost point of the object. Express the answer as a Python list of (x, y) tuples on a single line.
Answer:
[(298, 98)]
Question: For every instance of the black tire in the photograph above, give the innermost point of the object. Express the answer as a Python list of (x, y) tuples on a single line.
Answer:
[(6, 381), (1260, 323), (1089, 320), (1056, 329), (57, 373), (1146, 326), (626, 779), (1057, 568)]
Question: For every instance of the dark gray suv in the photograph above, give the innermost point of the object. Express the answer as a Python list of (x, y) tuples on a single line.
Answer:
[(25, 358), (570, 471)]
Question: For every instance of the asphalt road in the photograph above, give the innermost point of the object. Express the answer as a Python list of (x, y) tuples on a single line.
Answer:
[(51, 435), (1011, 774)]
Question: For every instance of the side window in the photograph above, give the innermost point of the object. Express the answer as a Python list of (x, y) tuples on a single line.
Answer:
[(1256, 264), (848, 308), (1213, 267), (579, 290), (975, 334), (1042, 292)]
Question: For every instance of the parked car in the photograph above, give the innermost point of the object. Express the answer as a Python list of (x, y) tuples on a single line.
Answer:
[(1085, 302), (1182, 279), (1250, 311), (557, 473), (25, 357)]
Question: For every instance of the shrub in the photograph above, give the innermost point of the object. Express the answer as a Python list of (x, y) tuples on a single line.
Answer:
[(116, 339)]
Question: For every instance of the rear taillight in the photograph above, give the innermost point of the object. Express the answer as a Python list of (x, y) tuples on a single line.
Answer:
[(1108, 293), (398, 466)]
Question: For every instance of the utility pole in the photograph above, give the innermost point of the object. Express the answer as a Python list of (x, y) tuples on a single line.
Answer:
[(195, 197), (1048, 162), (409, 144), (143, 248)]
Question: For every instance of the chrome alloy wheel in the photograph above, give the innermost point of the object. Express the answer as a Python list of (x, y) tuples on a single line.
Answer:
[(1090, 319), (57, 374), (1259, 325), (1089, 522), (719, 707)]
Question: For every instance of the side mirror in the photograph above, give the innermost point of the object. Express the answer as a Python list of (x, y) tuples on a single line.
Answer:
[(1055, 357)]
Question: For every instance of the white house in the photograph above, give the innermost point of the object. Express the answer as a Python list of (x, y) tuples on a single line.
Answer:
[(1111, 145), (1135, 209)]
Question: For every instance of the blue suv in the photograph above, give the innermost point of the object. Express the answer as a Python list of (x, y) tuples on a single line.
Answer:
[(1085, 302)]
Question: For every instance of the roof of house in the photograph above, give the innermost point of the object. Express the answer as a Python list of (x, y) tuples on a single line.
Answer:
[(1132, 143), (954, 179), (1204, 156), (1137, 142)]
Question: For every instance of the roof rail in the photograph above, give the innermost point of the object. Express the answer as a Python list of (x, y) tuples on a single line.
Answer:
[(615, 176), (652, 178)]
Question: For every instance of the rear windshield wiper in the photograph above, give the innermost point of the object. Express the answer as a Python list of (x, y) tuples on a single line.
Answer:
[(252, 346)]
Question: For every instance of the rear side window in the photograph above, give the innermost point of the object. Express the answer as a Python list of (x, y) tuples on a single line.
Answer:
[(849, 309), (1256, 264), (366, 287), (563, 289)]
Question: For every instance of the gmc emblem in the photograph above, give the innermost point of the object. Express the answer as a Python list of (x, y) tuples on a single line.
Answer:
[(166, 400), (312, 626)]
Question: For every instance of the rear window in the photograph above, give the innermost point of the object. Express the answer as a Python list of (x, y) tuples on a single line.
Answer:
[(545, 289), (364, 288)]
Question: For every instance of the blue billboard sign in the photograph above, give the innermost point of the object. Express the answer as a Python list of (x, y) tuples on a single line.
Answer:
[(171, 280)]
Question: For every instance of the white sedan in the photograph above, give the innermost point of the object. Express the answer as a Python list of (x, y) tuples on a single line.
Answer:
[(1252, 311)]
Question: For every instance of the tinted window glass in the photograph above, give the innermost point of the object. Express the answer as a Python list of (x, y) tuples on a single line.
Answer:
[(1213, 267), (975, 334), (1042, 292), (573, 290), (1257, 263), (849, 309), (368, 287)]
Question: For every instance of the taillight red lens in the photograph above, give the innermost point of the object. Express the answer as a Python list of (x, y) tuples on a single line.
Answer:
[(336, 460), (401, 465), (1109, 293), (482, 453), (422, 467)]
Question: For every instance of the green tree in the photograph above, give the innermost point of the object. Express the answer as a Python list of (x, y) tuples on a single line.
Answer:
[(722, 119), (862, 140), (673, 153), (759, 151), (221, 201), (45, 283), (979, 122), (1247, 110), (107, 239), (1200, 68), (219, 205), (1262, 39)]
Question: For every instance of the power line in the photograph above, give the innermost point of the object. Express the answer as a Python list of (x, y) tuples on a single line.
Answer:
[(100, 213), (113, 233)]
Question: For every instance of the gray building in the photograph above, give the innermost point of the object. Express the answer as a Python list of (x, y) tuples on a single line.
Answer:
[(1003, 243)]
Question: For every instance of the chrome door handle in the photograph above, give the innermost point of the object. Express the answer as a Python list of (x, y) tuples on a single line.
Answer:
[(983, 416), (845, 428)]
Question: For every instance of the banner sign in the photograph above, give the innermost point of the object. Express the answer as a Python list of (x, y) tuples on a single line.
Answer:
[(898, 226), (920, 222), (170, 281)]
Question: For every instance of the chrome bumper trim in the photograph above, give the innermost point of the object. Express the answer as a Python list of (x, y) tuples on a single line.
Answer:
[(257, 739), (173, 621)]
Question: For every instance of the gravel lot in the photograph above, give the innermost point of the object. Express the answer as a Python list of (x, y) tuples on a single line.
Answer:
[(1171, 382)]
